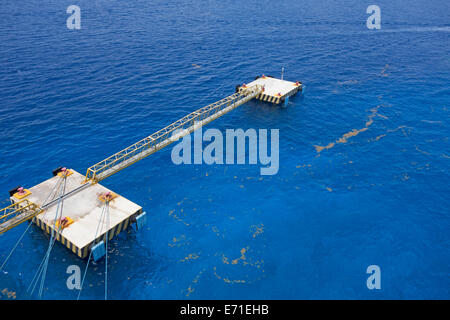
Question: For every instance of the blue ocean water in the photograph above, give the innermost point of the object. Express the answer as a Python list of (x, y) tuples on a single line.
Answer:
[(377, 100)]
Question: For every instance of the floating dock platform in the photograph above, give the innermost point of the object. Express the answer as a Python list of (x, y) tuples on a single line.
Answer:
[(83, 210), (274, 90)]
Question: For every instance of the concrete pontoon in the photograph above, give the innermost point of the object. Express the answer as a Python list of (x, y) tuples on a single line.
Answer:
[(275, 90), (83, 209)]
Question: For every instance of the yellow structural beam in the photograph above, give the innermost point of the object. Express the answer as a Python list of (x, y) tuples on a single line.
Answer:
[(17, 213), (163, 137)]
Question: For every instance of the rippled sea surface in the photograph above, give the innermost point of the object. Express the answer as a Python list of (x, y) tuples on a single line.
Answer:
[(364, 153)]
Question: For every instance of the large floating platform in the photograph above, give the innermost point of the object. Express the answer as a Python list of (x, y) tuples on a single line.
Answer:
[(83, 211)]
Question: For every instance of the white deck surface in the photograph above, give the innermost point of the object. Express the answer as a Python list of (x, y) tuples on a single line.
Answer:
[(83, 207), (274, 86)]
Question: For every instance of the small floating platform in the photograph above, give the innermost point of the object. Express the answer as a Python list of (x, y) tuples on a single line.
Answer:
[(82, 211), (275, 90)]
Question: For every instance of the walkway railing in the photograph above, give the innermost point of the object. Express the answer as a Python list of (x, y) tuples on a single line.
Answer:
[(17, 213)]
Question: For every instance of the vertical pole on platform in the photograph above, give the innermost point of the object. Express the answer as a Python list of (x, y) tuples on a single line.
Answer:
[(282, 73)]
